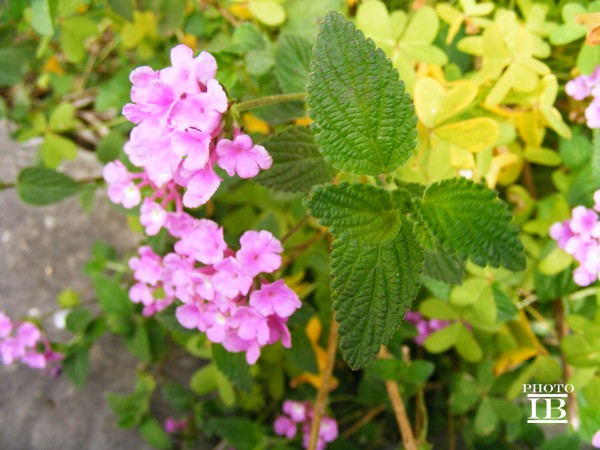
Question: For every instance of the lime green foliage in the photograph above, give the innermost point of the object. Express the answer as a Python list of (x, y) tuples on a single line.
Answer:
[(404, 40), (571, 31), (297, 163), (363, 124)]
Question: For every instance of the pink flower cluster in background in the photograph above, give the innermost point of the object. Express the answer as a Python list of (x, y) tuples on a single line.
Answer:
[(424, 326), (585, 86), (580, 237), (173, 425), (301, 413), (177, 138), (177, 142), (25, 342)]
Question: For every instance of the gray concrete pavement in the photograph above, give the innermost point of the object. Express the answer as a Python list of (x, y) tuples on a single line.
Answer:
[(42, 251)]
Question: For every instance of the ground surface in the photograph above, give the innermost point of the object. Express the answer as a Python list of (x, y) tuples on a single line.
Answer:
[(41, 252)]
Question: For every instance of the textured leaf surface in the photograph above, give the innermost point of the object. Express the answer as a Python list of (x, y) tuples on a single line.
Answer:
[(292, 63), (297, 163), (357, 211), (233, 366), (371, 288), (468, 219), (364, 122), (40, 186), (444, 267)]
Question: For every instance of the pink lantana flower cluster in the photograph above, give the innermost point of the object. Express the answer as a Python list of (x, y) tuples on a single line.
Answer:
[(425, 327), (178, 112), (301, 413), (580, 237), (177, 140), (220, 291), (585, 86), (25, 342)]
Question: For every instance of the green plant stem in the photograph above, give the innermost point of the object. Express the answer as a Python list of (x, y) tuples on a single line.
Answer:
[(265, 101)]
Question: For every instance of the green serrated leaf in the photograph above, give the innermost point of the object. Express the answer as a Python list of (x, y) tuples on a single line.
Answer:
[(297, 163), (78, 320), (40, 186), (364, 122), (469, 220), (241, 433), (444, 267), (356, 211), (112, 297), (138, 343), (292, 63), (233, 366), (372, 287), (77, 366)]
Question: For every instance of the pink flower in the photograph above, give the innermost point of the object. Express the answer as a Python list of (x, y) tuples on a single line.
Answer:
[(195, 145), (241, 157), (200, 185), (230, 278), (583, 220), (152, 217), (121, 190), (260, 252), (205, 244), (187, 72), (6, 325), (279, 331), (173, 425), (189, 316), (148, 267), (180, 224), (329, 430), (596, 439), (297, 411), (283, 426), (250, 325), (275, 298)]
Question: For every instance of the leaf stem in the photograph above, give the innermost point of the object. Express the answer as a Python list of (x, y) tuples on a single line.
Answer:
[(370, 415), (408, 438), (319, 409), (295, 228), (269, 100)]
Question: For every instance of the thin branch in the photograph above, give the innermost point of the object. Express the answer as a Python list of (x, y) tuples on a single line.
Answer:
[(295, 228), (408, 438), (319, 410), (370, 415), (269, 100), (563, 329)]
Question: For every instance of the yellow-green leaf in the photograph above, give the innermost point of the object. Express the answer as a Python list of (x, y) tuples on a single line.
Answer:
[(473, 135)]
